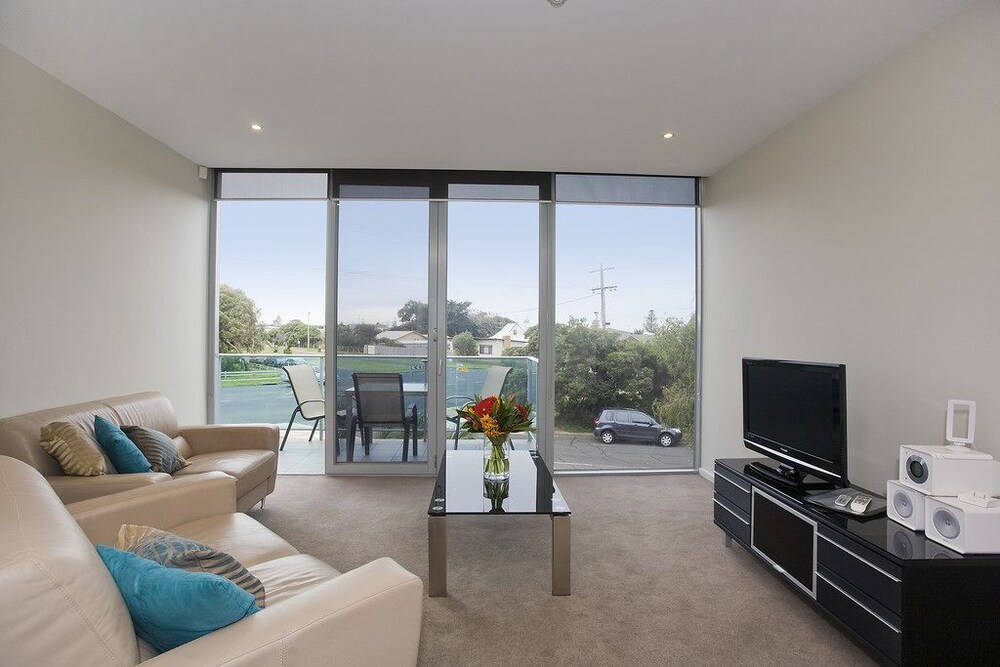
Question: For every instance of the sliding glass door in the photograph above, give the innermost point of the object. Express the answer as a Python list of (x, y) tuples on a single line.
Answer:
[(492, 308), (382, 327)]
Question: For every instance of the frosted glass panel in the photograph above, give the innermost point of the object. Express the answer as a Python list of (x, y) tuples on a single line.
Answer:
[(273, 185), (596, 189)]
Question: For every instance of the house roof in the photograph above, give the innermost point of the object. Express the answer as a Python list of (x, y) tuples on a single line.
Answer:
[(397, 334)]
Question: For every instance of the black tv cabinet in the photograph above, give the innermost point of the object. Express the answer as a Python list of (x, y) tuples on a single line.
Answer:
[(904, 599)]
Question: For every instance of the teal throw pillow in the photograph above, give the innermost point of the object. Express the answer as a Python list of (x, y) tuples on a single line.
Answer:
[(170, 607), (124, 455)]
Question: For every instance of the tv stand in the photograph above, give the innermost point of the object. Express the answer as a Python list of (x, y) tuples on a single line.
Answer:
[(903, 598), (787, 476)]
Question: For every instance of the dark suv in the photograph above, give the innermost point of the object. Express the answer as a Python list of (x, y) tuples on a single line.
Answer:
[(627, 424)]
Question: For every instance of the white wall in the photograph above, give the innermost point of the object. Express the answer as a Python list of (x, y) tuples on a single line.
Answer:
[(868, 232), (103, 253)]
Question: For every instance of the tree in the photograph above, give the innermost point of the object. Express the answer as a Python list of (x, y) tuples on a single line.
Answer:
[(353, 337), (676, 344), (240, 329), (465, 345), (413, 316), (650, 323), (296, 333)]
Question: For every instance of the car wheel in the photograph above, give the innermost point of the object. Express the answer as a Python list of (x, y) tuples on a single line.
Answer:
[(607, 437), (666, 440)]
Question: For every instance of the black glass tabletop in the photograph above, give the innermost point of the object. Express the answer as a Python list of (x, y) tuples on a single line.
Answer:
[(461, 489)]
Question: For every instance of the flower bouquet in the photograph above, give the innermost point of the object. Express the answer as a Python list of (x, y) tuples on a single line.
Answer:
[(497, 417)]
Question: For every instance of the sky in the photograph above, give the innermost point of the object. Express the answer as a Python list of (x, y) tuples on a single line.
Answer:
[(276, 252)]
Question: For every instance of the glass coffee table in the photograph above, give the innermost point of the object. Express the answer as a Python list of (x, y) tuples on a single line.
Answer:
[(461, 489)]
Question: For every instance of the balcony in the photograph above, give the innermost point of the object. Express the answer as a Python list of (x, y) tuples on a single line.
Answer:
[(254, 389)]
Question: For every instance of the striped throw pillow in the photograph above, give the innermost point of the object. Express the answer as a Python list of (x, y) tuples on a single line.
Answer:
[(74, 449), (158, 448), (175, 551)]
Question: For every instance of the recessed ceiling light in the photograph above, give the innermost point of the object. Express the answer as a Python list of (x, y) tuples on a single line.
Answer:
[(668, 135), (256, 128)]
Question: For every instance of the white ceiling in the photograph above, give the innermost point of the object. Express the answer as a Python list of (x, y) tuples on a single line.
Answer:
[(463, 84)]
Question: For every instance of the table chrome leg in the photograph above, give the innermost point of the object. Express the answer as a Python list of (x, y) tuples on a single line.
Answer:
[(560, 555), (437, 556)]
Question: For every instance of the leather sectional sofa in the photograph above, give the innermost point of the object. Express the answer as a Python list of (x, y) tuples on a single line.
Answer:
[(246, 452), (61, 606)]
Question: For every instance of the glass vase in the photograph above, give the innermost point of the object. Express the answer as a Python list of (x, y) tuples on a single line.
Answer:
[(497, 464), (496, 493)]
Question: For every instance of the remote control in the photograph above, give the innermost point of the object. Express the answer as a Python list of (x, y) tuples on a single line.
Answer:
[(842, 500), (860, 503)]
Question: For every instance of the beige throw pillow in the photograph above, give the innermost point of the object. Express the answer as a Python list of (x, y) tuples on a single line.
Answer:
[(76, 451)]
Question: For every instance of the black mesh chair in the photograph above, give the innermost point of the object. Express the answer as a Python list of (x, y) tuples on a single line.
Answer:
[(378, 402)]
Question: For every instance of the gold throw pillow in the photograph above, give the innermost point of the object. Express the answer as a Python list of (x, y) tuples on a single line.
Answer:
[(76, 451)]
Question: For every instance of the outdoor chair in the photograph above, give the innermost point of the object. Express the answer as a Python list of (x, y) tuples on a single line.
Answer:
[(496, 377), (378, 401), (308, 398)]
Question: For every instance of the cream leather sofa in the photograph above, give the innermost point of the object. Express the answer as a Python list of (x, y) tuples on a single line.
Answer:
[(61, 606), (247, 452)]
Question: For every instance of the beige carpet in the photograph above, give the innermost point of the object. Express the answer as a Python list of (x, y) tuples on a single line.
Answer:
[(652, 582)]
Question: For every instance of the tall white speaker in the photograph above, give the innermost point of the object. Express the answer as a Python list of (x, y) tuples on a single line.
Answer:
[(962, 526), (904, 504), (946, 471)]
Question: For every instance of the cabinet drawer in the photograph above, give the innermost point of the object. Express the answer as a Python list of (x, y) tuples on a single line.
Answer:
[(734, 490), (731, 519), (862, 569), (884, 636)]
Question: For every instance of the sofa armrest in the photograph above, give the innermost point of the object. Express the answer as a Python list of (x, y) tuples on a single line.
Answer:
[(160, 506), (72, 489), (226, 437), (368, 616)]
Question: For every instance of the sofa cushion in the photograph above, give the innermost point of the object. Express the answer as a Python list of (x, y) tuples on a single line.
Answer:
[(159, 450), (78, 454), (123, 453), (244, 539), (250, 467), (170, 606), (175, 551), (287, 577), (60, 605)]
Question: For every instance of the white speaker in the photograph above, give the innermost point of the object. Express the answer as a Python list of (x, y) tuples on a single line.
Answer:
[(903, 542), (904, 504), (962, 526), (946, 471)]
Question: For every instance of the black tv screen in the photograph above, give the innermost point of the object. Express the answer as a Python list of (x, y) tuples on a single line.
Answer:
[(796, 413)]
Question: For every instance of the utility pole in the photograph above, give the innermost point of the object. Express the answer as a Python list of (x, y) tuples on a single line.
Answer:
[(307, 329), (602, 289)]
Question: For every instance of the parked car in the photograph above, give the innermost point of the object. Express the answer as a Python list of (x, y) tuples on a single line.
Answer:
[(615, 424)]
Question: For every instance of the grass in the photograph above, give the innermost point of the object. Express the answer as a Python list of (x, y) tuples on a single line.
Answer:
[(251, 382)]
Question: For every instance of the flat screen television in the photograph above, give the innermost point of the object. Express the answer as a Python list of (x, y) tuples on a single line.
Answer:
[(795, 413)]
